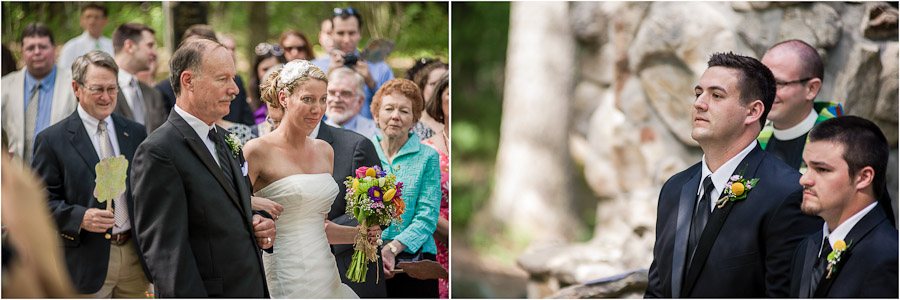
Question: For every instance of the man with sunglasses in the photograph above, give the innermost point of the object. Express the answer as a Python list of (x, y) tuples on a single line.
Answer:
[(798, 71), (346, 34), (36, 96), (101, 256)]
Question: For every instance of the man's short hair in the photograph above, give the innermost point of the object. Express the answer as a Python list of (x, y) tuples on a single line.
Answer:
[(349, 73), (129, 31), (201, 30), (864, 145), (346, 13), (811, 65), (189, 56), (94, 57), (95, 5), (37, 30), (756, 80), (434, 106)]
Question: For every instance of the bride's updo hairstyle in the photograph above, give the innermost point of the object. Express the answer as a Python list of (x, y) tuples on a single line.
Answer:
[(293, 74), (268, 92)]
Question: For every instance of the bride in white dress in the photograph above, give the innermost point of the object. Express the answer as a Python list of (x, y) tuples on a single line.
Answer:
[(293, 170)]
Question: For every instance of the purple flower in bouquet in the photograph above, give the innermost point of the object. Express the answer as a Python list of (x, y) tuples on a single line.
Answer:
[(399, 189), (379, 172), (361, 172), (375, 193)]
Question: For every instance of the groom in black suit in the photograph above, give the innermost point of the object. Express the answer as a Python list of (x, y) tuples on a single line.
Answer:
[(101, 256), (847, 159), (192, 196), (741, 248), (351, 151)]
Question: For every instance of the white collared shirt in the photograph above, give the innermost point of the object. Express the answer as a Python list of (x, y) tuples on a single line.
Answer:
[(843, 229), (201, 129), (720, 176), (80, 45), (798, 130), (90, 124), (125, 83), (315, 132)]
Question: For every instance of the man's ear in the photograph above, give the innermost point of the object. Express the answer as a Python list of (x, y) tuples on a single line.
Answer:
[(128, 45), (864, 178), (187, 80), (812, 88), (75, 87), (754, 112)]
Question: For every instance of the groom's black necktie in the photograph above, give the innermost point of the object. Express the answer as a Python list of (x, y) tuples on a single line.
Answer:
[(819, 268), (701, 216), (224, 158)]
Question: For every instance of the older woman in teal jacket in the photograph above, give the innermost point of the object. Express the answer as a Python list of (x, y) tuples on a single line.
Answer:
[(396, 107)]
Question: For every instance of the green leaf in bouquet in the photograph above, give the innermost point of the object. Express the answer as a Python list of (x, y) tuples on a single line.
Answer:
[(111, 175)]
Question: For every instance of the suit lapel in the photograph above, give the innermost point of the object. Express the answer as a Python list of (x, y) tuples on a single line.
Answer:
[(718, 218), (124, 134), (80, 140), (196, 145), (813, 245), (325, 133), (122, 107), (236, 163), (682, 230), (859, 231)]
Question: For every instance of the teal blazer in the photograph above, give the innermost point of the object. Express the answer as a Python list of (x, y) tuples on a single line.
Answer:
[(417, 167)]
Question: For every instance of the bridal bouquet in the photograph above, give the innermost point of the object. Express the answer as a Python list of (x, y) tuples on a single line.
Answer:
[(373, 198)]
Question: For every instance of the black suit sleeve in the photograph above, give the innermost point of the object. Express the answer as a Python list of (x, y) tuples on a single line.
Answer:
[(654, 286), (787, 227), (161, 221), (67, 216), (882, 281)]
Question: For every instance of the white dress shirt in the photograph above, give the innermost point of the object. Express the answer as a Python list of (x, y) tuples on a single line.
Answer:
[(90, 124), (720, 176), (80, 45), (201, 129)]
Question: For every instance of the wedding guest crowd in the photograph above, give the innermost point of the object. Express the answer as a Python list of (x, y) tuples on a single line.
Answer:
[(169, 234)]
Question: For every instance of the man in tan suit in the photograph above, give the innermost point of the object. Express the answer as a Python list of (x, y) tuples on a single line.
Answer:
[(37, 96), (135, 49)]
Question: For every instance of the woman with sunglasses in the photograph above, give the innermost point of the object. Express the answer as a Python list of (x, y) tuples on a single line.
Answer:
[(267, 56), (295, 45)]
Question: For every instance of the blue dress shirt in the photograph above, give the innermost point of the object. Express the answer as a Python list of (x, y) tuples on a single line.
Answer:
[(46, 98)]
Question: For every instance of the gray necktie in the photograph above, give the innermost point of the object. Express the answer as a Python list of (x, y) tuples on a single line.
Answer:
[(106, 151), (701, 217), (138, 100), (31, 120)]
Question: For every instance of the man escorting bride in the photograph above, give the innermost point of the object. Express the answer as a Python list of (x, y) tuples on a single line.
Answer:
[(291, 168)]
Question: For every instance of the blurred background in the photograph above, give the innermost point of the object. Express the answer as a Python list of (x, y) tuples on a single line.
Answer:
[(419, 29), (569, 117)]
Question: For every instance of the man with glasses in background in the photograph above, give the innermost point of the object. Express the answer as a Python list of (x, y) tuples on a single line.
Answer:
[(37, 96), (346, 34)]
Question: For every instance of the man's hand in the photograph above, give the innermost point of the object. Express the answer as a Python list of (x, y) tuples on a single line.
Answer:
[(337, 60), (273, 208), (97, 220), (362, 68), (264, 230)]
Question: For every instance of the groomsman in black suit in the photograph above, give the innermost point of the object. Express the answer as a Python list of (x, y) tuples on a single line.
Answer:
[(101, 256), (847, 158), (192, 194), (351, 151), (741, 248)]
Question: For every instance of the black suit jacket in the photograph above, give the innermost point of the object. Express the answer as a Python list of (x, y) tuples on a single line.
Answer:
[(155, 112), (195, 230), (239, 110), (746, 247), (65, 158), (868, 268), (351, 151)]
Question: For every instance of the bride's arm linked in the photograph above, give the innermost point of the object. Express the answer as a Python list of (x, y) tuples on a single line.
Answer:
[(261, 207)]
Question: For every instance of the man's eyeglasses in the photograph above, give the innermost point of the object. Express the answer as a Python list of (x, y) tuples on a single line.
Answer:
[(265, 48), (341, 94), (272, 122), (97, 90), (298, 48), (345, 12), (781, 84)]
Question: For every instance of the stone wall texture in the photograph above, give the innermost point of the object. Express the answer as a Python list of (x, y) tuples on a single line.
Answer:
[(637, 64)]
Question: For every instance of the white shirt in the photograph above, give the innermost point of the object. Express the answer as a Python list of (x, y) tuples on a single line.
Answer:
[(800, 129), (720, 176), (315, 132), (201, 129), (91, 124), (843, 229), (80, 45), (125, 80)]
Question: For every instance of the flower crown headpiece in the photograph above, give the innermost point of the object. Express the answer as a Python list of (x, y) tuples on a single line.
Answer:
[(293, 70)]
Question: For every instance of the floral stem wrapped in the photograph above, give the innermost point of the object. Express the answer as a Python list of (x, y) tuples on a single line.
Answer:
[(373, 198)]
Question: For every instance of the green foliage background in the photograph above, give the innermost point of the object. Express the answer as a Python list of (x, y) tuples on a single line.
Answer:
[(419, 29)]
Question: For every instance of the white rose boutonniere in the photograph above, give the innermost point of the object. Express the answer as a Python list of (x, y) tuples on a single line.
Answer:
[(234, 143)]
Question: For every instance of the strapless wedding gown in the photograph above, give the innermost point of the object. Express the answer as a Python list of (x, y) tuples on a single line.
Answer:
[(302, 265)]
